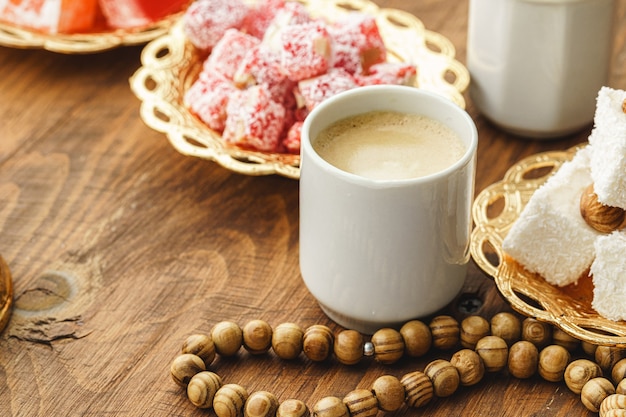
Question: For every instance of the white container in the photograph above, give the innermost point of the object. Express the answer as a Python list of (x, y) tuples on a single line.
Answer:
[(537, 65)]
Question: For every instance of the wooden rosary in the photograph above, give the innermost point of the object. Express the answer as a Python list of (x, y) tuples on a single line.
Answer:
[(521, 347)]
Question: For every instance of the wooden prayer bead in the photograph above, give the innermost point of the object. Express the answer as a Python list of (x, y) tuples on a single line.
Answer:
[(507, 326), (494, 352), (614, 413), (361, 403), (184, 367), (444, 376), (348, 347), (589, 348), (418, 389), (227, 337), (536, 332), (607, 357), (292, 408), (260, 404), (445, 332), (523, 359), (594, 392), (200, 345), (615, 403), (287, 340), (330, 407), (257, 337), (621, 387), (317, 343), (553, 360), (417, 338), (202, 388), (618, 373), (473, 328), (579, 372), (559, 337), (229, 400), (389, 391), (469, 365), (388, 346)]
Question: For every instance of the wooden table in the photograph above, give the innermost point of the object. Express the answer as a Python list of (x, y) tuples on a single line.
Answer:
[(120, 248)]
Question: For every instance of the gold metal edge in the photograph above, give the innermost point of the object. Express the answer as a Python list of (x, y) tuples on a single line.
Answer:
[(517, 285), (161, 92)]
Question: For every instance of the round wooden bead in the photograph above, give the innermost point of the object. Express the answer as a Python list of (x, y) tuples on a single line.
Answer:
[(202, 389), (348, 347), (494, 352), (618, 373), (200, 345), (473, 328), (260, 404), (444, 376), (523, 359), (362, 403), (418, 389), (287, 341), (445, 332), (594, 392), (506, 326), (607, 357), (553, 360), (257, 337), (389, 391), (417, 338), (388, 346), (227, 337), (580, 371), (621, 387), (229, 400), (559, 337), (185, 366), (317, 343), (613, 403), (536, 332), (589, 348), (292, 408), (469, 365), (330, 407)]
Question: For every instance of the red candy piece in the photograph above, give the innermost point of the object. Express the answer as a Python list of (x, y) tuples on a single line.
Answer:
[(229, 51), (293, 13), (291, 143), (254, 120), (260, 17), (67, 16), (305, 50), (357, 43), (136, 13), (206, 21), (262, 66), (313, 91), (208, 97), (389, 73)]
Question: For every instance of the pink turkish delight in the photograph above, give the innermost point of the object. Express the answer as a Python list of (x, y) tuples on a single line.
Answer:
[(229, 51), (313, 91), (293, 13), (260, 16), (400, 73), (208, 98), (254, 119), (205, 21), (261, 65), (357, 44), (291, 143), (305, 50)]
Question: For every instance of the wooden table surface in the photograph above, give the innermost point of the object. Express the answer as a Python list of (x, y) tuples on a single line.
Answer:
[(120, 247)]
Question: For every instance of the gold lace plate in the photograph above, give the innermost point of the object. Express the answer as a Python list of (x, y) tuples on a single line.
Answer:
[(494, 211), (170, 64), (82, 43)]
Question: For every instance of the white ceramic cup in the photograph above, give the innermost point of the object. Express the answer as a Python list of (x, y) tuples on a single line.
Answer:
[(377, 253)]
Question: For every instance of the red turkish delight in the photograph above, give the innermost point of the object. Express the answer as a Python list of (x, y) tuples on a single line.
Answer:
[(291, 143), (313, 91), (206, 21), (69, 16), (389, 73), (293, 13), (137, 13), (229, 51), (254, 119), (260, 65), (305, 51), (357, 43), (260, 17), (208, 98)]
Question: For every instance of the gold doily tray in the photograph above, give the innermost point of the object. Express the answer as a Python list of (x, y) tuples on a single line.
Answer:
[(170, 64), (83, 43), (494, 211)]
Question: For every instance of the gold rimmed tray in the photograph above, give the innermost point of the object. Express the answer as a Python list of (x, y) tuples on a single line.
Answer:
[(83, 43), (494, 211), (170, 64), (6, 294)]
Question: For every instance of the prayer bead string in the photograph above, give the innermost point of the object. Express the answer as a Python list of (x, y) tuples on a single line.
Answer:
[(524, 348)]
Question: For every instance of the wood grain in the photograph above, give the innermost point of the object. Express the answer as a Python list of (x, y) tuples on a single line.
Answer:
[(120, 247)]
